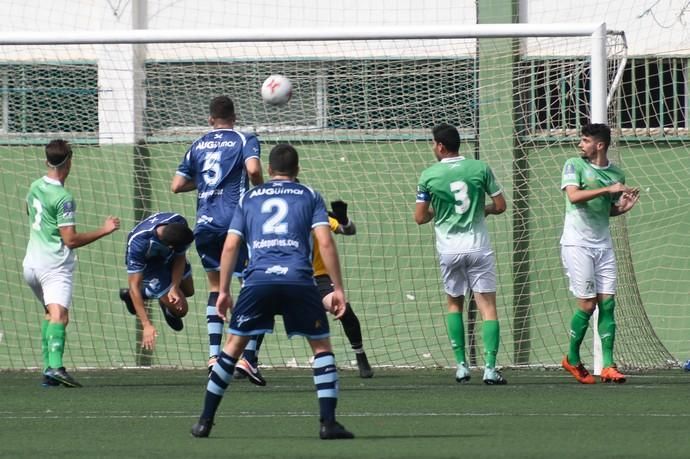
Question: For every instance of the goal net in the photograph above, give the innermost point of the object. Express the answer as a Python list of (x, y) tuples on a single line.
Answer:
[(360, 116)]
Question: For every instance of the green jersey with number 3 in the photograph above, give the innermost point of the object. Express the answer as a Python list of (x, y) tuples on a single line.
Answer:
[(457, 189), (587, 223), (50, 206)]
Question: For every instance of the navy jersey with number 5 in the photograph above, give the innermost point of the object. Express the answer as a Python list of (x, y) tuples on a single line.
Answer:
[(275, 220), (215, 162)]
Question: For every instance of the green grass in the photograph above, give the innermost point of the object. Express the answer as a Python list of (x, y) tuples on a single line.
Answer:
[(416, 414)]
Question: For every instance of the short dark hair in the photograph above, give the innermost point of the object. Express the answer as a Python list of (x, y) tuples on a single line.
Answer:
[(284, 160), (58, 151), (222, 107), (178, 235), (448, 136), (598, 131)]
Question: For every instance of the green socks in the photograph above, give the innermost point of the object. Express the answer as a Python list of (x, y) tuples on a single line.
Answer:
[(55, 337), (578, 328), (491, 335), (607, 330), (44, 342), (456, 333)]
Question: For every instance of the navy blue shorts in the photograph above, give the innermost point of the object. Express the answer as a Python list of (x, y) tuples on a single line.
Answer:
[(209, 246), (300, 305), (159, 281)]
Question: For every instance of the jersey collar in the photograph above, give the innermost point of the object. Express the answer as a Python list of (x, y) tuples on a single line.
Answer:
[(453, 159), (52, 181)]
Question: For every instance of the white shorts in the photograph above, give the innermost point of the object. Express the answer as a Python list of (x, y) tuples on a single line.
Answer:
[(590, 271), (50, 287), (471, 270)]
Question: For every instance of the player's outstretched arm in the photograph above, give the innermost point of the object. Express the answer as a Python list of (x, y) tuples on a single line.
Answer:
[(74, 240), (148, 339)]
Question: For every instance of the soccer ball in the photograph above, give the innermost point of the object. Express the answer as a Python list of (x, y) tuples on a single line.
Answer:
[(276, 90)]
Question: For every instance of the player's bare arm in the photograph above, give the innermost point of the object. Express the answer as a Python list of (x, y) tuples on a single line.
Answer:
[(228, 259), (182, 184), (178, 266), (329, 254), (498, 205), (577, 195), (423, 213), (74, 240), (253, 166), (148, 339)]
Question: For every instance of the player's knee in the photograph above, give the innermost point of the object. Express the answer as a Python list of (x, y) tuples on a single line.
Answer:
[(607, 304)]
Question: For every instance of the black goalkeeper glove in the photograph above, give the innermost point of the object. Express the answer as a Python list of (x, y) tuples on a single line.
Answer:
[(339, 212)]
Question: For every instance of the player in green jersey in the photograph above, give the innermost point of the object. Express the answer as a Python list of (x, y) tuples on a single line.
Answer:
[(50, 258), (594, 191), (453, 192)]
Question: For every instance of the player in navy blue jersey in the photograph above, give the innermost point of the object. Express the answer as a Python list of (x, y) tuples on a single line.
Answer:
[(219, 165), (275, 221), (157, 268)]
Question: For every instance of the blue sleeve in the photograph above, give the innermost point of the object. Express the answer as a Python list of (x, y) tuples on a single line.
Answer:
[(237, 222), (186, 167), (136, 260), (251, 149)]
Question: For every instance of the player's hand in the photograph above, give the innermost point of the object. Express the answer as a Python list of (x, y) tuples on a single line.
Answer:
[(111, 224), (339, 212), (174, 295), (148, 339), (223, 305), (628, 199), (337, 306)]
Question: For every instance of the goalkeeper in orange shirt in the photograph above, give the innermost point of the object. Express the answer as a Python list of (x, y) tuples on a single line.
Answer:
[(340, 223)]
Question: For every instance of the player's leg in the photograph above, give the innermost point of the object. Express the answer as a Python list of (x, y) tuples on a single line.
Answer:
[(579, 268), (481, 273), (32, 280), (56, 333), (454, 278), (491, 336), (606, 275), (254, 302), (57, 295), (350, 323), (248, 365), (304, 315), (214, 324), (218, 381), (209, 246), (326, 382)]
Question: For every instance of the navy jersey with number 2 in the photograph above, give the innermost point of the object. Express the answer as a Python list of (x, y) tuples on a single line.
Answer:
[(275, 220)]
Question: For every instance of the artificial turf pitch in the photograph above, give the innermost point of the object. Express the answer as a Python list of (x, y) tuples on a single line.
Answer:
[(397, 414)]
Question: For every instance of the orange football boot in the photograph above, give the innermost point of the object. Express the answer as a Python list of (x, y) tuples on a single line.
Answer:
[(579, 371), (611, 374)]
